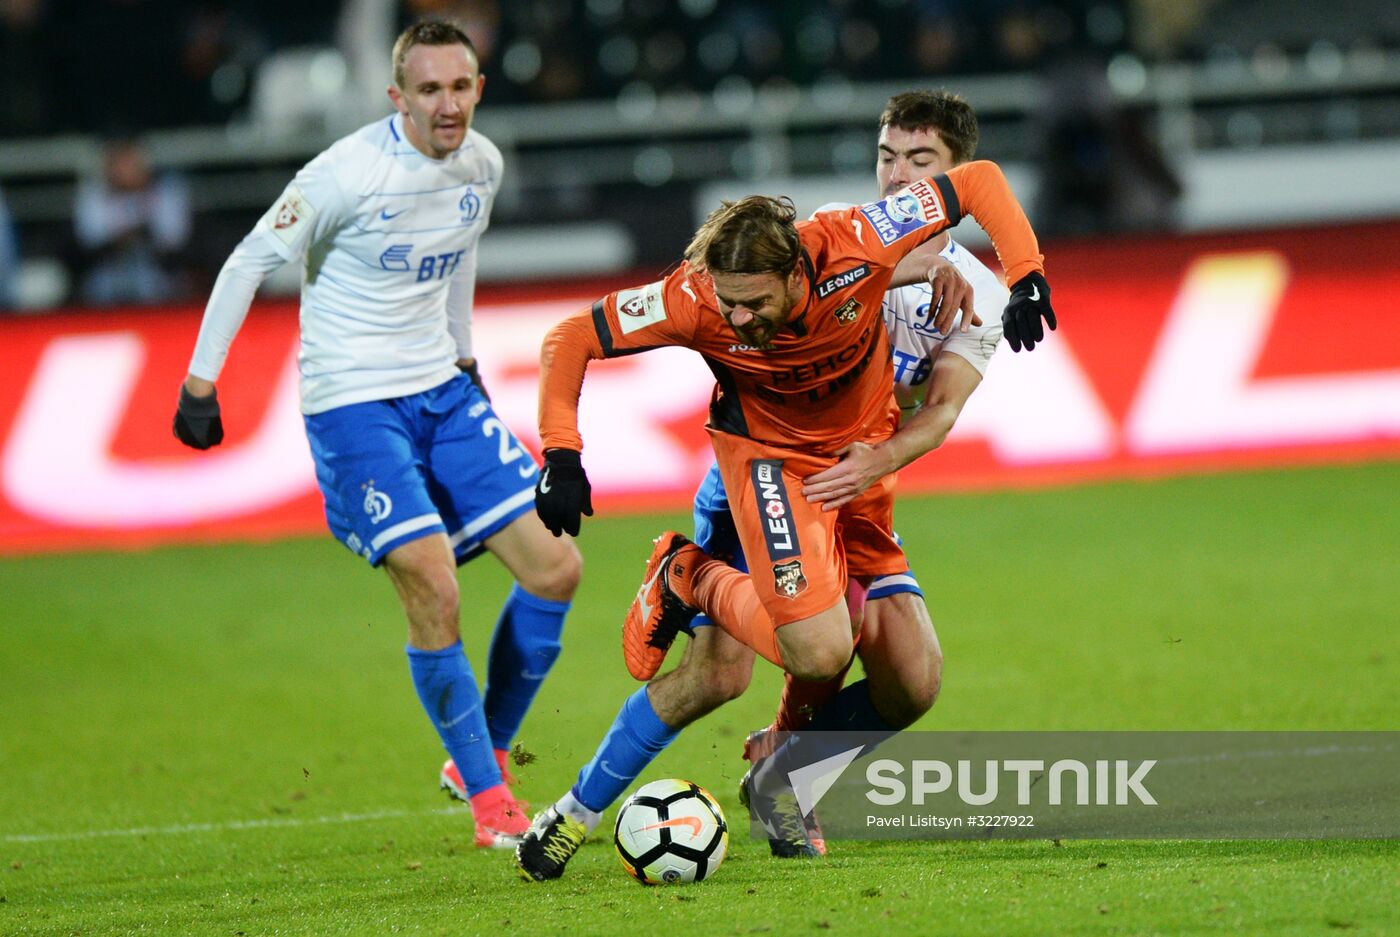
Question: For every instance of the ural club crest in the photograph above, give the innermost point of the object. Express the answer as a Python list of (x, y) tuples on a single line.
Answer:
[(847, 312), (788, 579)]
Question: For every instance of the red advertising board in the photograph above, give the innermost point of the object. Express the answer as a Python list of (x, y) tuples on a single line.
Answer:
[(1174, 355)]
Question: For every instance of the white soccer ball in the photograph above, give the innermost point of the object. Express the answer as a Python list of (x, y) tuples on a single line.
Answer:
[(671, 831)]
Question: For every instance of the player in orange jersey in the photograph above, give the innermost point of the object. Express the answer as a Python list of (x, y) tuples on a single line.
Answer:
[(787, 315), (920, 133)]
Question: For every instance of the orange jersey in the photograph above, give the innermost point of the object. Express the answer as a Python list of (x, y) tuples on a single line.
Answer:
[(825, 379)]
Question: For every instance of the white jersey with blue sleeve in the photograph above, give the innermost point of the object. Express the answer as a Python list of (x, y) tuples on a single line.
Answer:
[(915, 343), (388, 238)]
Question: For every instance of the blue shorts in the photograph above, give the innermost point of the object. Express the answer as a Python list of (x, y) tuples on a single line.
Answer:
[(396, 470), (716, 535)]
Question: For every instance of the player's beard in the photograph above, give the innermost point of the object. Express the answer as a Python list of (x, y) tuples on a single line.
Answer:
[(761, 332), (754, 334)]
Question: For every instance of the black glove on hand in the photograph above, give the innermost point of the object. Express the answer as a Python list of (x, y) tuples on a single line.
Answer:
[(197, 422), (471, 371), (563, 492), (1030, 300)]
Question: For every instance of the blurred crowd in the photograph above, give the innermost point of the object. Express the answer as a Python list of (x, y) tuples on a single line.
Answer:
[(119, 68), (182, 62)]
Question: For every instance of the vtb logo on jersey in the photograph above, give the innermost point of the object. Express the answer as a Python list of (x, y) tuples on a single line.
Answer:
[(397, 257)]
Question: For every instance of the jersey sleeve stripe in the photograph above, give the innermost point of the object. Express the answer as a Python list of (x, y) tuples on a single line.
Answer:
[(950, 199), (600, 325), (605, 337)]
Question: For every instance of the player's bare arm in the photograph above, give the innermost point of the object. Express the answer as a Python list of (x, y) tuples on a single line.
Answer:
[(950, 385)]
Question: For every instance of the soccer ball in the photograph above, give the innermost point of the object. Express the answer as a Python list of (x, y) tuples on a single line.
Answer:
[(671, 831)]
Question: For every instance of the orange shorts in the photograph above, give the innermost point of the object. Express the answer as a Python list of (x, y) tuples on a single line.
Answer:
[(799, 556)]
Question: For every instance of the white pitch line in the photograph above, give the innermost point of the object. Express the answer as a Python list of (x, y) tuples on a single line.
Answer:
[(268, 823)]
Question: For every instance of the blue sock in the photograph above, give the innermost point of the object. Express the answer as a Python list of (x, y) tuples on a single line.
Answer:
[(850, 711), (447, 688), (637, 736), (524, 647)]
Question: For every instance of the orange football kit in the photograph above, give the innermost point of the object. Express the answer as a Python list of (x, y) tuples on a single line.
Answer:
[(785, 411)]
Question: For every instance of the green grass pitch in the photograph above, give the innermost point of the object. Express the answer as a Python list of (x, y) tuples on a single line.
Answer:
[(224, 740)]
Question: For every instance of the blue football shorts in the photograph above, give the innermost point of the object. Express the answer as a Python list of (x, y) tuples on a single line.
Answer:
[(392, 471), (716, 535)]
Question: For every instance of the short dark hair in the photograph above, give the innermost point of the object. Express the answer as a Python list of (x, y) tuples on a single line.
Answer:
[(757, 234), (946, 113), (428, 33)]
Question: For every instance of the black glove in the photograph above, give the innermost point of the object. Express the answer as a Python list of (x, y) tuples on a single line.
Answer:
[(1030, 300), (197, 422), (471, 371), (563, 492)]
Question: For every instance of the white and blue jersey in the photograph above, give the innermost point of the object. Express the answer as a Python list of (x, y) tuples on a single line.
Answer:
[(915, 344), (388, 239), (404, 444)]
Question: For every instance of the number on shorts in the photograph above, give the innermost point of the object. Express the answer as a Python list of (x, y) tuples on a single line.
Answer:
[(509, 451)]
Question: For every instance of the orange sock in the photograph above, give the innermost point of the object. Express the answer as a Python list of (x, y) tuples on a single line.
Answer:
[(802, 698), (729, 598)]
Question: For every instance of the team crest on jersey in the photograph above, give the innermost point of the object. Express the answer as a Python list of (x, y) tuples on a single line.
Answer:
[(905, 211), (469, 205), (842, 280), (788, 580), (641, 307), (848, 312), (290, 215), (378, 505)]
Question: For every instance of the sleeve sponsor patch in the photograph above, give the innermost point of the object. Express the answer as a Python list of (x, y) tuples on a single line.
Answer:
[(905, 211), (639, 308), (292, 215)]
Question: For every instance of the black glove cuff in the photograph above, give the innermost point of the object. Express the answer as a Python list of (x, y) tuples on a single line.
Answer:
[(564, 458), (1035, 280), (190, 405)]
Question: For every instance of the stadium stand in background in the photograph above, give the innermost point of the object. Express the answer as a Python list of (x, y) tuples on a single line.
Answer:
[(623, 120)]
